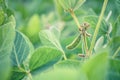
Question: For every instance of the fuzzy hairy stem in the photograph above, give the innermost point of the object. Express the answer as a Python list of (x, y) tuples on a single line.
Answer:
[(98, 27), (76, 19)]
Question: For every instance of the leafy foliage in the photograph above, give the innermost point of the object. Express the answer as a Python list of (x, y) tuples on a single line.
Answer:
[(43, 56), (114, 45), (36, 49), (113, 70), (20, 54), (75, 4), (96, 66), (116, 27), (7, 34)]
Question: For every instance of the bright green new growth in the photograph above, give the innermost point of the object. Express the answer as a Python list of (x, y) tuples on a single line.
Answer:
[(71, 4), (2, 17)]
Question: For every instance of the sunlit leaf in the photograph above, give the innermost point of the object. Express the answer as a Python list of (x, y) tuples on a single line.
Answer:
[(94, 68), (43, 56), (20, 55), (50, 38), (21, 49), (32, 29), (62, 74), (7, 34), (73, 64)]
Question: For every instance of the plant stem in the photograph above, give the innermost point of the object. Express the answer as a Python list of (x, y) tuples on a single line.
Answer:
[(64, 55), (83, 51), (116, 53), (65, 58), (97, 27), (29, 75), (85, 44), (76, 19)]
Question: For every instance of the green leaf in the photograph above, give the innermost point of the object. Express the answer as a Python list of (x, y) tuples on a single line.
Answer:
[(114, 44), (92, 20), (73, 64), (64, 70), (43, 56), (78, 4), (7, 34), (17, 75), (61, 74), (33, 25), (50, 38), (65, 4), (2, 16), (5, 67), (111, 6), (20, 55), (113, 70), (80, 13), (94, 68), (99, 44), (32, 29), (118, 5), (103, 31), (21, 50), (71, 4), (116, 28)]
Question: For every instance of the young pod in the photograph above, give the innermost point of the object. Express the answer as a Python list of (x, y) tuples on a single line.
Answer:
[(75, 42), (71, 4)]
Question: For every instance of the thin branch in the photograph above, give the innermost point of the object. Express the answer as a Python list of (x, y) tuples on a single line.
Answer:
[(76, 19), (97, 27)]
